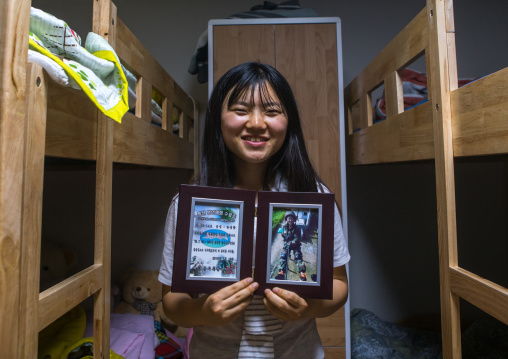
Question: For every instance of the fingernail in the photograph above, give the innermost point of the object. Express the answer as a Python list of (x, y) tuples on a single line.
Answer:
[(255, 285), (267, 291), (249, 280), (276, 290)]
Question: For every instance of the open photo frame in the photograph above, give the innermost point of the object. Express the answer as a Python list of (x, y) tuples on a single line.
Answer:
[(215, 240)]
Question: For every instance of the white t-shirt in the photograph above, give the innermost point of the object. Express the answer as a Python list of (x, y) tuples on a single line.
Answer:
[(297, 339)]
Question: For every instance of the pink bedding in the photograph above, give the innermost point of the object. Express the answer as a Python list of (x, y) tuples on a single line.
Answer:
[(132, 335)]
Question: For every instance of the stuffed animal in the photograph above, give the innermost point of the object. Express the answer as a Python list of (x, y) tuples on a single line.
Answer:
[(142, 294), (55, 263)]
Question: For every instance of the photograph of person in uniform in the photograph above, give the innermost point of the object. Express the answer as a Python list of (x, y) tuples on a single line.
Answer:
[(294, 246)]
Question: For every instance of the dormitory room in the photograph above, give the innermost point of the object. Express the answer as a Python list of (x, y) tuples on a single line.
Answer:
[(254, 179)]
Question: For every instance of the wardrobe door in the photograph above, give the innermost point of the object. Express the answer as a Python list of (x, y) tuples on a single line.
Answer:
[(306, 55), (236, 44)]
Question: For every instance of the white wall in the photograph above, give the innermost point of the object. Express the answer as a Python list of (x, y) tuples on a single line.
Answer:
[(392, 208)]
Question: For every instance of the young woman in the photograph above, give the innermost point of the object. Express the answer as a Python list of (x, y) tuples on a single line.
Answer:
[(253, 140)]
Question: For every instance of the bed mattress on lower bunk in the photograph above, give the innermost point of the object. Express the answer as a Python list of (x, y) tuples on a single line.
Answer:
[(372, 337)]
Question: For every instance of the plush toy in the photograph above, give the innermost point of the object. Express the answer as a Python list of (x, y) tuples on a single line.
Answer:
[(142, 294), (55, 263)]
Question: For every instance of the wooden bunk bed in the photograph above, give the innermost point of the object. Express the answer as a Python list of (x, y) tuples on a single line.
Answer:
[(465, 121), (33, 125)]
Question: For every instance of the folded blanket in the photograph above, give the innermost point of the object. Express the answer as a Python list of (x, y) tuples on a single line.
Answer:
[(98, 72)]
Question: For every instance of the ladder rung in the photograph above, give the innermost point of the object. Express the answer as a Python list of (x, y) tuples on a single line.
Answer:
[(482, 293), (62, 297)]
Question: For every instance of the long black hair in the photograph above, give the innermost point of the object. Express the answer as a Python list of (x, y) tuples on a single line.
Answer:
[(290, 167)]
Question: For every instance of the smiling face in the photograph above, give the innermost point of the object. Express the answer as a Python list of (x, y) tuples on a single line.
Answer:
[(254, 125)]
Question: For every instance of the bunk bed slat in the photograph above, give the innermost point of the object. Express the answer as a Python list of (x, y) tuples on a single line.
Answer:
[(484, 294), (480, 112), (134, 54), (143, 99), (71, 134), (32, 207), (405, 137), (394, 94), (71, 124), (167, 114), (450, 43), (160, 148), (64, 296), (365, 111)]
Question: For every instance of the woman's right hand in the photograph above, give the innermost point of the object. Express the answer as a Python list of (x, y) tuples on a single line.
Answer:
[(228, 303)]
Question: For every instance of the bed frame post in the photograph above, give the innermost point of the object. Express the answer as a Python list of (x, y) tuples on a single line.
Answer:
[(14, 25), (104, 23), (37, 96), (442, 67), (104, 183)]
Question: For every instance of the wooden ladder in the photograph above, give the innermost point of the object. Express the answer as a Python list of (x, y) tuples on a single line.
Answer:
[(23, 99)]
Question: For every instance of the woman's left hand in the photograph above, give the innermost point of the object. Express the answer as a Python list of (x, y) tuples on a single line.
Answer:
[(284, 304), (289, 306)]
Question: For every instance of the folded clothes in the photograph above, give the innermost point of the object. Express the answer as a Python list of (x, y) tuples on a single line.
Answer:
[(414, 88)]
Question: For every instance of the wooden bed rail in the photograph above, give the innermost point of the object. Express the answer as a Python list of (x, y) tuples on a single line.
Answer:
[(144, 66), (479, 128), (406, 47)]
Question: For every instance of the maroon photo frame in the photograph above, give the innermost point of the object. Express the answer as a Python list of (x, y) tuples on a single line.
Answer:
[(189, 195), (270, 244)]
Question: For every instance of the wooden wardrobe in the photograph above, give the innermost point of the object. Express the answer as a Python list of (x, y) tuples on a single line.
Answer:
[(308, 53)]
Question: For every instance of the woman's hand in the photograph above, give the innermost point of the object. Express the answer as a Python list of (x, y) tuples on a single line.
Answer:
[(287, 305), (225, 305), (284, 304), (219, 308)]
